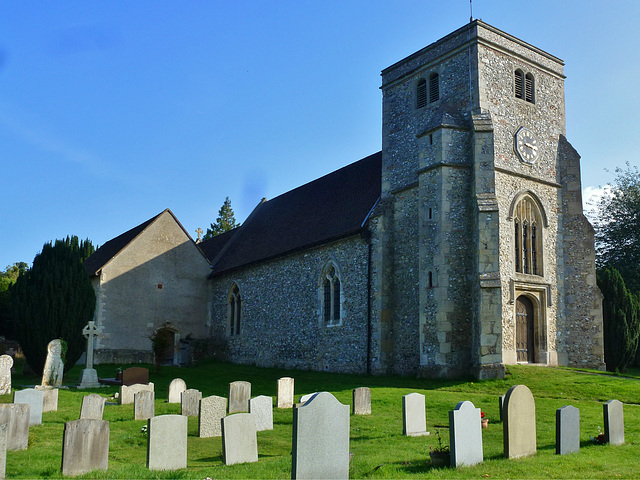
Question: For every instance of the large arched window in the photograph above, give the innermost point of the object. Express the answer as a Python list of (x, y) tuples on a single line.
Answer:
[(528, 241), (234, 311), (331, 295)]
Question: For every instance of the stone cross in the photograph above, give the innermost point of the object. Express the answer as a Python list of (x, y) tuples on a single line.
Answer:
[(199, 231), (90, 331)]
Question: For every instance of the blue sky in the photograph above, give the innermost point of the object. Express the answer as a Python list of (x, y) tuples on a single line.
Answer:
[(111, 112)]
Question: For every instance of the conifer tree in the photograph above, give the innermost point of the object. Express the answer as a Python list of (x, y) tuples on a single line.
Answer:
[(226, 221)]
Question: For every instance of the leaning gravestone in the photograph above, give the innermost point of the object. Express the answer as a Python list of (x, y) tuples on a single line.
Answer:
[(519, 422), (50, 398), (133, 375), (16, 417), (190, 404), (613, 422), (6, 362), (320, 439), (85, 446), (239, 439), (262, 408), (212, 410), (362, 401), (53, 366), (167, 442), (3, 450), (239, 395), (144, 405), (567, 430), (285, 392), (127, 392), (176, 387), (465, 435), (35, 399), (413, 415), (92, 407)]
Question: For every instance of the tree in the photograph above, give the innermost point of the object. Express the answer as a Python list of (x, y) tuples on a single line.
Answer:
[(54, 299), (621, 320), (617, 225), (226, 221), (8, 278)]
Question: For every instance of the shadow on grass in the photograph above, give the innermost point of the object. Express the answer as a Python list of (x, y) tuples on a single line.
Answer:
[(217, 458)]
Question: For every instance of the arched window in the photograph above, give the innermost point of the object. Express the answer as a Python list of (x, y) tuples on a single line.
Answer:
[(519, 84), (331, 295), (528, 242), (524, 86), (434, 87), (529, 88), (234, 311), (421, 93)]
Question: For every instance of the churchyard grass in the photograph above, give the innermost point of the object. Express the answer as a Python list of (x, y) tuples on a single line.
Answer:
[(380, 450)]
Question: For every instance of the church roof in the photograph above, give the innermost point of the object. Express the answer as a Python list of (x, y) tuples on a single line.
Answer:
[(332, 207)]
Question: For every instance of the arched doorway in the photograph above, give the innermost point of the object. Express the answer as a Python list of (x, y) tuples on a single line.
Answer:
[(164, 345), (524, 330)]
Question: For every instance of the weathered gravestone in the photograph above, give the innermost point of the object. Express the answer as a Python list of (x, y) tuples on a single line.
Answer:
[(362, 401), (465, 435), (413, 415), (53, 366), (567, 430), (3, 450), (239, 395), (50, 398), (16, 417), (613, 422), (519, 422), (262, 409), (212, 410), (85, 446), (133, 375), (190, 403), (6, 362), (92, 407), (285, 392), (176, 387), (305, 398), (127, 392), (35, 399), (239, 439), (89, 375), (167, 442), (144, 405), (320, 439)]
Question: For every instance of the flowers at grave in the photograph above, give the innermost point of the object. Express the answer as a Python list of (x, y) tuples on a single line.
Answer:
[(482, 414), (143, 430), (599, 439), (441, 447)]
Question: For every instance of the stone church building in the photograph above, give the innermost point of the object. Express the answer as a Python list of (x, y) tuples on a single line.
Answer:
[(459, 248)]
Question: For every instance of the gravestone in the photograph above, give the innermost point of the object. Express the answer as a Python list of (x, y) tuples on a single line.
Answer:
[(305, 398), (127, 392), (285, 392), (239, 439), (191, 402), (567, 430), (176, 387), (16, 417), (133, 375), (3, 450), (85, 446), (465, 435), (519, 422), (35, 399), (413, 415), (262, 408), (362, 401), (92, 407), (144, 405), (500, 404), (613, 422), (239, 395), (50, 398), (6, 362), (167, 442), (212, 410), (89, 375), (320, 439), (53, 366)]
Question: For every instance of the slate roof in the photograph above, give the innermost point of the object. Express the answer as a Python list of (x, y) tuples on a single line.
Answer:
[(332, 207)]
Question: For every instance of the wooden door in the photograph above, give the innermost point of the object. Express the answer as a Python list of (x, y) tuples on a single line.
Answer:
[(524, 330)]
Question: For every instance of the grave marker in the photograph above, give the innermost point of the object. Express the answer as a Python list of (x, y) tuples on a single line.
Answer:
[(519, 422), (239, 439), (3, 450), (133, 375), (362, 401), (92, 407), (212, 410), (239, 395), (6, 362), (16, 417), (53, 366), (190, 404), (567, 430), (413, 415), (89, 375), (262, 408), (127, 392), (176, 387), (613, 422), (35, 399), (144, 405), (50, 398), (285, 392), (167, 442), (85, 446), (465, 435)]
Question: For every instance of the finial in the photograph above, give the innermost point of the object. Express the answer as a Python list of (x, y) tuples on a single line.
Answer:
[(199, 231)]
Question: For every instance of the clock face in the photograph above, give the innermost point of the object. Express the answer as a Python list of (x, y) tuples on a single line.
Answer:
[(526, 145)]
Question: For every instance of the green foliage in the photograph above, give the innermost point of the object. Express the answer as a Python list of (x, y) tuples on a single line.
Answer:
[(8, 278), (617, 226), (226, 221), (621, 320), (54, 299)]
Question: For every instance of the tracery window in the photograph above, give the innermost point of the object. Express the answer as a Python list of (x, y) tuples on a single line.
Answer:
[(234, 311), (528, 243), (331, 292)]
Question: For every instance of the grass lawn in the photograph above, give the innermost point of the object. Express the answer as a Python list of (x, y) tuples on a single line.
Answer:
[(380, 450)]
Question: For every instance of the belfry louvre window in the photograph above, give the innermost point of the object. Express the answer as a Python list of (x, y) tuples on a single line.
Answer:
[(528, 238), (421, 93), (528, 88), (434, 87), (234, 311), (524, 86), (331, 296), (519, 84)]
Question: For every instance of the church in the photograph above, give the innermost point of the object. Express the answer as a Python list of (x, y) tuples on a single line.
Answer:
[(458, 249)]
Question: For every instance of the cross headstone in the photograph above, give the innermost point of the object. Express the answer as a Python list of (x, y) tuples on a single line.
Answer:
[(35, 399), (362, 401), (53, 366), (92, 407), (413, 415), (190, 403), (16, 416), (144, 405), (6, 362), (239, 439), (567, 430), (85, 446), (212, 410), (465, 435), (285, 392), (176, 387), (613, 422), (262, 408), (167, 442), (320, 439), (239, 395), (519, 422), (89, 375)]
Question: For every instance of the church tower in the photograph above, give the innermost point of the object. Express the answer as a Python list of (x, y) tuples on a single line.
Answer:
[(482, 256)]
